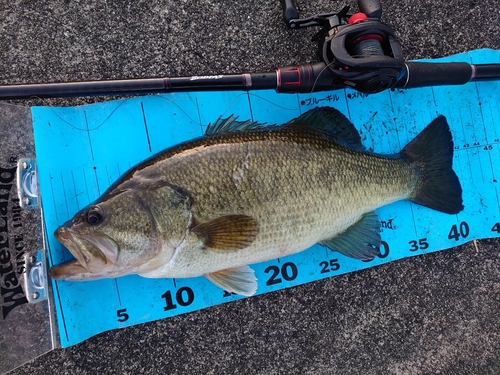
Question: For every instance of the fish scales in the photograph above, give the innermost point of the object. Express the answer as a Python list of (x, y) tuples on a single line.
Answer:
[(299, 185), (244, 194)]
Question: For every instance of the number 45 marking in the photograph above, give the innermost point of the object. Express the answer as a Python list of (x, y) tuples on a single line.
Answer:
[(496, 228)]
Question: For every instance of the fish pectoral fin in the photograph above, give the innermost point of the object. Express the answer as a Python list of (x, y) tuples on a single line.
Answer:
[(360, 241), (227, 233), (239, 280)]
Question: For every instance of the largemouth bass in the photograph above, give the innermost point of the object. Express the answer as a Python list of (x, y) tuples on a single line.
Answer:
[(245, 193)]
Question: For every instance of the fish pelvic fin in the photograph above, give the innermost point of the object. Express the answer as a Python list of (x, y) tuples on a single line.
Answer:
[(239, 280), (227, 233), (360, 241), (437, 186)]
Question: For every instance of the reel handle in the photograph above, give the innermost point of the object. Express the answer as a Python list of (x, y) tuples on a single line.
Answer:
[(371, 8)]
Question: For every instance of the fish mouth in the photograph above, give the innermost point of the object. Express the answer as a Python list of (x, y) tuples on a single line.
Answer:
[(70, 270), (90, 252)]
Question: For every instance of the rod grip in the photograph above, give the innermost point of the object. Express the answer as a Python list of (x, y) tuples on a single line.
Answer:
[(424, 74)]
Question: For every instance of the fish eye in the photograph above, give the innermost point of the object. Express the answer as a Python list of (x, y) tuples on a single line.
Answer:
[(94, 215)]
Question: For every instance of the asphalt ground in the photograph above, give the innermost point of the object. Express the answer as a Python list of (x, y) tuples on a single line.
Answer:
[(433, 314)]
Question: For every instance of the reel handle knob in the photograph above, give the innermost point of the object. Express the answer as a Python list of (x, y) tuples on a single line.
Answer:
[(290, 11), (371, 8)]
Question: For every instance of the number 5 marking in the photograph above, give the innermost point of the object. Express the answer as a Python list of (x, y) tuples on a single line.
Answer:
[(122, 315)]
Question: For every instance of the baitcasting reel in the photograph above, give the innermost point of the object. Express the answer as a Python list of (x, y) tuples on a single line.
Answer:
[(359, 51)]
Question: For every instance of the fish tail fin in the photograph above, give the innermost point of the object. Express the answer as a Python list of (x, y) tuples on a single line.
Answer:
[(437, 186)]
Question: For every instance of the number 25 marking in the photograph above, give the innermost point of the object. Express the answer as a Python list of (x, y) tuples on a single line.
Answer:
[(331, 266)]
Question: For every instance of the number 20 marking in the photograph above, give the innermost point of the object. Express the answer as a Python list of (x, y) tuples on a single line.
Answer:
[(289, 272)]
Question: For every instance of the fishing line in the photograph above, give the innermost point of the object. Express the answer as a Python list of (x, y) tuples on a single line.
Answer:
[(121, 103), (319, 75), (52, 109), (275, 104), (369, 46)]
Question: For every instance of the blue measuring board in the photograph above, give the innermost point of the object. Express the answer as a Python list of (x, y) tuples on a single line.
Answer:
[(82, 150)]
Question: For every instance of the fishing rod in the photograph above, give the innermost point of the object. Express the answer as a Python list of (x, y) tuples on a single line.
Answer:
[(356, 50)]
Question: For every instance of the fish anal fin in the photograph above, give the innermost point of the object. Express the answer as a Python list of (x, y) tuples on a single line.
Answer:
[(227, 233), (239, 280), (359, 241)]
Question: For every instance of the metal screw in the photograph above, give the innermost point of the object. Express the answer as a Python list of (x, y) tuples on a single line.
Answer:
[(35, 295), (26, 201), (25, 165), (33, 259)]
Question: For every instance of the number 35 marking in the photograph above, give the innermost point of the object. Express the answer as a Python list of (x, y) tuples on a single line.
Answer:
[(421, 244)]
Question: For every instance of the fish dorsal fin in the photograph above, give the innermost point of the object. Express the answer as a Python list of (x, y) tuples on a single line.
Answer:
[(230, 124), (227, 233), (360, 241), (239, 280), (332, 121)]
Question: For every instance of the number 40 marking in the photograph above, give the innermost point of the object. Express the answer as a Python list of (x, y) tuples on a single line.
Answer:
[(462, 230)]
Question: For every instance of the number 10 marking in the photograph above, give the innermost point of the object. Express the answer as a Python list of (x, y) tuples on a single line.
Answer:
[(184, 297)]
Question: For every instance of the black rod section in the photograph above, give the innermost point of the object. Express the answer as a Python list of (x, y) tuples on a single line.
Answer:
[(244, 81), (486, 72)]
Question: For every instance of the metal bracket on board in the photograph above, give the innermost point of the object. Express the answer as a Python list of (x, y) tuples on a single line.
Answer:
[(27, 184), (35, 282)]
